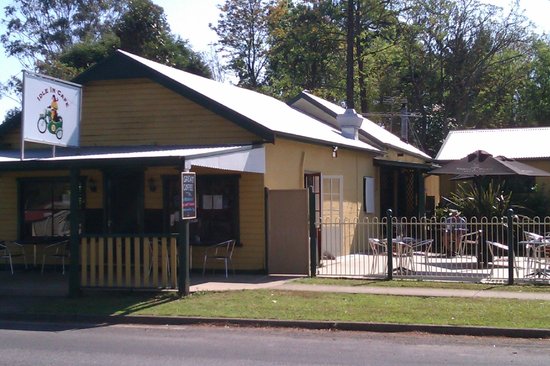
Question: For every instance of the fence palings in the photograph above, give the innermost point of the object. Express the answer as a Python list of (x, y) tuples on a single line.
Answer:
[(133, 262)]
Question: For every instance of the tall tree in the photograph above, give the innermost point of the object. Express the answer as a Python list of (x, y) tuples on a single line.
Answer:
[(39, 30), (453, 49), (144, 30), (533, 100), (307, 49), (242, 29), (376, 29), (62, 38)]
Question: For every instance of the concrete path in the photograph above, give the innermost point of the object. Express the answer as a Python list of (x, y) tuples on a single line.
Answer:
[(413, 291), (243, 282)]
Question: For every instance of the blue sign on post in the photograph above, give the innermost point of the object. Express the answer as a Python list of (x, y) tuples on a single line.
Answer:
[(188, 195)]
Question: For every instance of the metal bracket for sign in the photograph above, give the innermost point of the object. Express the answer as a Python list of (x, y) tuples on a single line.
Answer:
[(188, 195)]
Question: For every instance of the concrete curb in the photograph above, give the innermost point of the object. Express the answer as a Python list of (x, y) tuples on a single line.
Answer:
[(302, 324)]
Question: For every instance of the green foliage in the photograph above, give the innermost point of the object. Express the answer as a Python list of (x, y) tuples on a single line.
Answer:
[(534, 100), (483, 198), (536, 202), (307, 50), (63, 38), (242, 30), (143, 30), (39, 30)]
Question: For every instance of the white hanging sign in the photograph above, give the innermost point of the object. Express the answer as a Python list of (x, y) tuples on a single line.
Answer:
[(51, 110)]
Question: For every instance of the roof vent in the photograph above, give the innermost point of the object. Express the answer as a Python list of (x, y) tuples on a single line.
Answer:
[(350, 123)]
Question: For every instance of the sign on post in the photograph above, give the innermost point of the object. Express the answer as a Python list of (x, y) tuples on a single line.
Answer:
[(188, 195)]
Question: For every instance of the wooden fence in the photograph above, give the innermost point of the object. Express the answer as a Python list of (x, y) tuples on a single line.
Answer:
[(129, 262)]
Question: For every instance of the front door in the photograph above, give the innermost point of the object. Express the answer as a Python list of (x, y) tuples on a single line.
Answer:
[(124, 202), (332, 206)]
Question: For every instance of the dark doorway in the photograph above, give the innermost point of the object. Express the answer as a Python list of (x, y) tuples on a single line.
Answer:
[(314, 180), (399, 191), (124, 202)]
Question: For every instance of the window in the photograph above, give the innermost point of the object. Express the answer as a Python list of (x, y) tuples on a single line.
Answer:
[(45, 205), (218, 209), (368, 194)]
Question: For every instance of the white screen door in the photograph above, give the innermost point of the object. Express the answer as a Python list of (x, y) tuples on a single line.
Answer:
[(332, 210)]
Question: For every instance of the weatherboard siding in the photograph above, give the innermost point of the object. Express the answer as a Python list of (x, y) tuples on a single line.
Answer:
[(141, 112), (251, 256), (287, 161)]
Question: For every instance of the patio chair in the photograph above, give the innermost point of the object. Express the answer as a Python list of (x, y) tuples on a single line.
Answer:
[(58, 251), (499, 253), (10, 250), (222, 252), (423, 247), (378, 249), (469, 240), (540, 261)]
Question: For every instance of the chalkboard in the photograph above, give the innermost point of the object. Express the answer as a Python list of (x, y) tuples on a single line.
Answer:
[(188, 195)]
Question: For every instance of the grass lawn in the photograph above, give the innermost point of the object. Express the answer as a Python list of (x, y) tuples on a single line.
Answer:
[(296, 305)]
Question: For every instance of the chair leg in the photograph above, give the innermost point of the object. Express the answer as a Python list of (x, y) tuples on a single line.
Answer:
[(204, 265)]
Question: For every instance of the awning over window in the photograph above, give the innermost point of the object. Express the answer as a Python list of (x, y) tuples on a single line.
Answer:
[(246, 160), (236, 158)]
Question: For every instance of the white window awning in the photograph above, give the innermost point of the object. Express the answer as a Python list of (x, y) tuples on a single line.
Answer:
[(250, 160), (236, 158)]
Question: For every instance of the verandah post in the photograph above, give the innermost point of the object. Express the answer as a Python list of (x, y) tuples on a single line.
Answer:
[(74, 243), (389, 235), (183, 254), (510, 214)]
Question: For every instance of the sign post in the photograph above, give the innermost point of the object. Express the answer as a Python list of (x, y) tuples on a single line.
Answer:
[(188, 212)]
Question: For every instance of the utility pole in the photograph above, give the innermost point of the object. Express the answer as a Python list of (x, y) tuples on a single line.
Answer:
[(350, 122), (349, 56)]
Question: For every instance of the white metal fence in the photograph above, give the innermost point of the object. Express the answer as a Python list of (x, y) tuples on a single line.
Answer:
[(438, 249)]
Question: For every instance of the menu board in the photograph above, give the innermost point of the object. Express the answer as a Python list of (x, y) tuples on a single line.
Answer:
[(188, 195)]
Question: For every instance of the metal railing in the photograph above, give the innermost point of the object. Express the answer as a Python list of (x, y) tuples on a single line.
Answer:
[(494, 250)]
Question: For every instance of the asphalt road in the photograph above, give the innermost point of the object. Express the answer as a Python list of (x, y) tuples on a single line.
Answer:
[(65, 344)]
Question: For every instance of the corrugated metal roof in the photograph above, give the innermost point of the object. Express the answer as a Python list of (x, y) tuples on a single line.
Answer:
[(514, 143), (373, 130), (262, 109), (119, 152)]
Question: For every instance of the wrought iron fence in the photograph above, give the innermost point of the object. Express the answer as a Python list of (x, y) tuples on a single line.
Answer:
[(494, 250)]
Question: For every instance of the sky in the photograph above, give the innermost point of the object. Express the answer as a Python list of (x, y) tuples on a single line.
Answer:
[(190, 19)]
